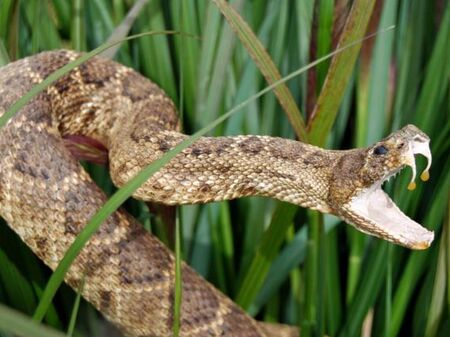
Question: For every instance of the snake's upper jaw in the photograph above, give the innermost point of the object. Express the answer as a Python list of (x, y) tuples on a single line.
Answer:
[(373, 211)]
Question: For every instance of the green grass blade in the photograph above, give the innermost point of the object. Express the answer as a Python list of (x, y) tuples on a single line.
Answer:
[(17, 263), (122, 30), (367, 292), (6, 8), (178, 254), (436, 312), (379, 83), (225, 242), (156, 49), (211, 98), (333, 294), (45, 35), (17, 323), (62, 10), (339, 73), (312, 323), (4, 57), (265, 65), (324, 35), (291, 256), (16, 286), (178, 279), (436, 84), (13, 34), (264, 255), (75, 309), (186, 21), (200, 257), (273, 34), (78, 28), (208, 54)]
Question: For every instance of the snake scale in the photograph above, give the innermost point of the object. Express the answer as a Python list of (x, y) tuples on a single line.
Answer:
[(46, 196)]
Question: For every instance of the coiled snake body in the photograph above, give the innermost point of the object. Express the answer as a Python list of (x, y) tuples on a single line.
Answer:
[(47, 198)]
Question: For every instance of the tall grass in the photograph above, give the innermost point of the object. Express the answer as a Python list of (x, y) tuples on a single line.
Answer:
[(318, 273)]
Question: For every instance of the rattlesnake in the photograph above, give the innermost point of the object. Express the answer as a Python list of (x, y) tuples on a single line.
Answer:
[(47, 198)]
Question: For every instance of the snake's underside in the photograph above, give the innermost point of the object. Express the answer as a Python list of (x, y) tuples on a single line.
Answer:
[(47, 198)]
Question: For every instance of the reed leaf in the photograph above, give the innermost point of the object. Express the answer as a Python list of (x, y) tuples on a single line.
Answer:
[(17, 323), (265, 65), (338, 75)]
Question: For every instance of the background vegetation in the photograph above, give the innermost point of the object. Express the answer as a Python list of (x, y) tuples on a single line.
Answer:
[(279, 262)]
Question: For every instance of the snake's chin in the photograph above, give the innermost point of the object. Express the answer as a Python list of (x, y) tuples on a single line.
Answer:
[(380, 216)]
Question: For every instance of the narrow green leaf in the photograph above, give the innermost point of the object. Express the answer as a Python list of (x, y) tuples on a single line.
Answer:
[(211, 98), (339, 73), (4, 57), (63, 12), (122, 30), (265, 65), (16, 285), (78, 28), (210, 38), (333, 284), (6, 8), (324, 35), (200, 258), (75, 309), (312, 322), (186, 21), (436, 83), (436, 312), (17, 323), (178, 279), (367, 292), (156, 49), (265, 254)]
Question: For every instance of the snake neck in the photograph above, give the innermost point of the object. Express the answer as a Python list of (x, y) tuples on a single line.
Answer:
[(223, 168)]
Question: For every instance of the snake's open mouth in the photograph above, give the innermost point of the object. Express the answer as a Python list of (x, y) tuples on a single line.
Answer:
[(383, 217)]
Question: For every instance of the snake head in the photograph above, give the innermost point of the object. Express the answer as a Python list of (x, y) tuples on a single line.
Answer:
[(357, 187)]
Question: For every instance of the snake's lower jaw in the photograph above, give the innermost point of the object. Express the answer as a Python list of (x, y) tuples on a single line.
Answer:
[(373, 212)]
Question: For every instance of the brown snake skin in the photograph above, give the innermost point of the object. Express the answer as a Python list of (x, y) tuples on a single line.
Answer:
[(47, 198)]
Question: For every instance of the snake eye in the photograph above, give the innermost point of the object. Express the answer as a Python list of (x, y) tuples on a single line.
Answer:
[(379, 150)]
